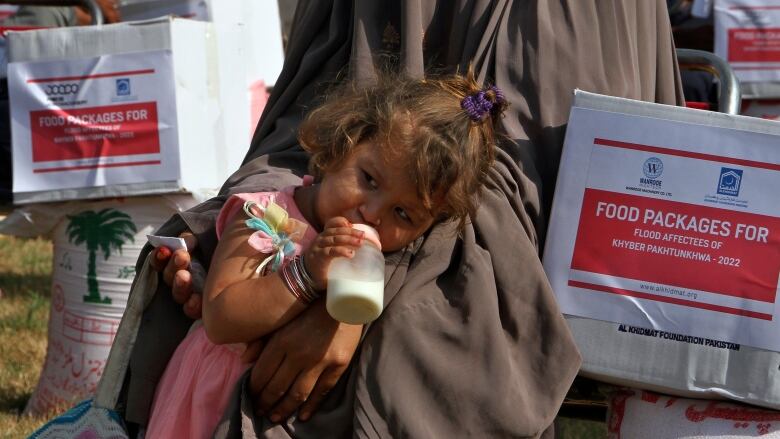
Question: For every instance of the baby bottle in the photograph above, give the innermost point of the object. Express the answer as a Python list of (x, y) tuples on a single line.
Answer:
[(356, 286)]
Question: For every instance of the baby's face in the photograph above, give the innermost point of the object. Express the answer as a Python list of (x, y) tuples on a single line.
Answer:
[(367, 189)]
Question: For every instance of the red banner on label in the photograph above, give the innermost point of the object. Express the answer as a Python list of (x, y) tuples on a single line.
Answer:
[(115, 130), (672, 243), (754, 45), (5, 29)]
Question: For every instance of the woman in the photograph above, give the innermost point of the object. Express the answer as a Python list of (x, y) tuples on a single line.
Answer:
[(471, 342)]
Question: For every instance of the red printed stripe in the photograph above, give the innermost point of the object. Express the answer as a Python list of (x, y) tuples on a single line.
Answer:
[(643, 249), (673, 300), (5, 29), (95, 166), (95, 76), (111, 130), (688, 154), (753, 45), (755, 67)]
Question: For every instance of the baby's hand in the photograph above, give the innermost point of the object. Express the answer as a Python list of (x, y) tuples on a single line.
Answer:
[(338, 239)]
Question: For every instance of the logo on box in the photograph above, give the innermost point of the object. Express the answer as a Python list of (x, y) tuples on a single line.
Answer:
[(653, 167), (729, 181), (61, 89), (123, 87)]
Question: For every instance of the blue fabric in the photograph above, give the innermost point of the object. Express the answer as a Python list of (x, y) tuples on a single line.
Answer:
[(83, 420)]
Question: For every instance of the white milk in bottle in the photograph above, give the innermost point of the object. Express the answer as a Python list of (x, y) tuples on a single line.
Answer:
[(356, 286)]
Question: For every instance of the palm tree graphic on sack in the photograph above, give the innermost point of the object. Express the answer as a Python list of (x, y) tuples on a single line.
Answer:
[(105, 230)]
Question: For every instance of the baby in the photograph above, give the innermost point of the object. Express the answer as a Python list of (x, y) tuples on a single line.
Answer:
[(398, 156)]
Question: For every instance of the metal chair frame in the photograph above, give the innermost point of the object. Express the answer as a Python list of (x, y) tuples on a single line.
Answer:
[(729, 92)]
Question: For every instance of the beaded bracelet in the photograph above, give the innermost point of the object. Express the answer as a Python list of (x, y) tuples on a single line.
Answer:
[(298, 281)]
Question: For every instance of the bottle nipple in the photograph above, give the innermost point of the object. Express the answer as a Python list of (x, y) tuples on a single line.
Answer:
[(369, 233)]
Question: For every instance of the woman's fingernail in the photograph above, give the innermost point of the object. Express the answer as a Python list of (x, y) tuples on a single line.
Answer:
[(162, 253)]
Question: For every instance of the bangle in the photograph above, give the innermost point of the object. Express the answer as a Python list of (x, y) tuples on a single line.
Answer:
[(299, 270), (305, 273), (295, 278), (287, 277)]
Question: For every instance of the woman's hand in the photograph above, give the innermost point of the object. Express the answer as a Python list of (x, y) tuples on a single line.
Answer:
[(337, 239), (300, 362), (176, 274)]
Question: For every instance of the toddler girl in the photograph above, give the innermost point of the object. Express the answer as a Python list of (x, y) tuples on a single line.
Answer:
[(399, 156)]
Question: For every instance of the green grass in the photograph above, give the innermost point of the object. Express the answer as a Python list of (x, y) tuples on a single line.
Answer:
[(25, 282), (568, 428)]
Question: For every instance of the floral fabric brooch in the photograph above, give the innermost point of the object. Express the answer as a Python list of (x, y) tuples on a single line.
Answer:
[(276, 233)]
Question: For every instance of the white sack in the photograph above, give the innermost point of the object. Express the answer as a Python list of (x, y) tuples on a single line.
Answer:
[(96, 245)]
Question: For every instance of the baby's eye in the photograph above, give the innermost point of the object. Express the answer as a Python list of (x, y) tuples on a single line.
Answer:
[(370, 180), (402, 213)]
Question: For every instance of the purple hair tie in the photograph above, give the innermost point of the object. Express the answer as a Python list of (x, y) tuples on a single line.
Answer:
[(477, 106)]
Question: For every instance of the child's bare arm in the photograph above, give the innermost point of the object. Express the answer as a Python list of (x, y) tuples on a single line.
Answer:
[(241, 306), (238, 304)]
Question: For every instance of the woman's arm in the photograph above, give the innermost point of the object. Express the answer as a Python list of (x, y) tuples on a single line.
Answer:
[(300, 363), (238, 304)]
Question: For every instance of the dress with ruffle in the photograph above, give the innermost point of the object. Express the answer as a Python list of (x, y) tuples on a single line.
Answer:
[(200, 377)]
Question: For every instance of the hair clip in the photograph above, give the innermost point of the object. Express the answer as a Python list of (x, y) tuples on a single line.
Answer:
[(477, 105)]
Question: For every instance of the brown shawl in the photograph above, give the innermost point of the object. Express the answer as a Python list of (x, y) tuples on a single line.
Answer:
[(471, 342)]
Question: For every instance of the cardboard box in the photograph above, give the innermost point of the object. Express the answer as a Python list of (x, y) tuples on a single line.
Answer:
[(258, 34), (133, 10), (3, 45), (760, 90), (647, 252), (747, 35), (763, 108), (125, 109), (676, 364), (7, 11)]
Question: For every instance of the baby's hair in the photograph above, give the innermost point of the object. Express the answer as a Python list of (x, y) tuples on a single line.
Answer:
[(430, 124)]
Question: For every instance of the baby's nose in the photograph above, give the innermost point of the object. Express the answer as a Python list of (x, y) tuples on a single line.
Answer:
[(371, 213)]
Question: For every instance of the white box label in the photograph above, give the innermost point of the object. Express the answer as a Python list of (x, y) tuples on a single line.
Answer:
[(747, 35), (669, 225), (94, 122)]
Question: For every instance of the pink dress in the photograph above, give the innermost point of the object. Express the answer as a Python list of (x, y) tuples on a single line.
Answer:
[(200, 377)]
